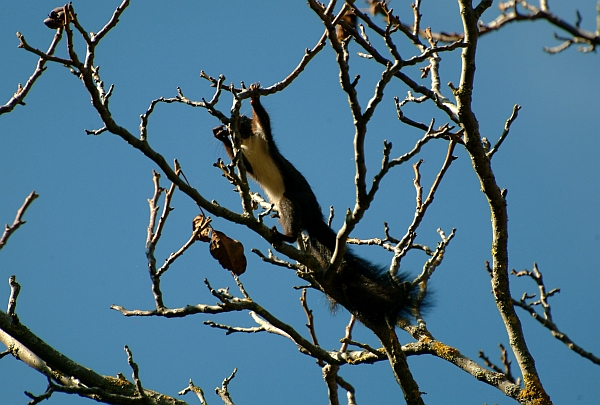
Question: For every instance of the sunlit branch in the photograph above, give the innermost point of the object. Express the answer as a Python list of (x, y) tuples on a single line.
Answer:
[(421, 208), (15, 288), (64, 374), (497, 204), (10, 229), (223, 391), (196, 390), (510, 13), (506, 130), (22, 91), (330, 374), (546, 318), (111, 23), (136, 372)]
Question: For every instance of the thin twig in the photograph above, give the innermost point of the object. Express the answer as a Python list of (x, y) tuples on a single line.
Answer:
[(22, 91), (509, 121), (511, 14), (272, 259), (506, 370), (46, 56), (404, 244), (152, 238), (348, 336), (111, 23), (310, 325), (175, 255), (349, 389), (546, 318), (417, 183), (10, 229), (136, 372), (36, 399), (15, 288), (234, 329), (196, 390), (223, 391)]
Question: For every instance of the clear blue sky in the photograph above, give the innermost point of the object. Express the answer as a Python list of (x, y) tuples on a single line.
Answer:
[(82, 248)]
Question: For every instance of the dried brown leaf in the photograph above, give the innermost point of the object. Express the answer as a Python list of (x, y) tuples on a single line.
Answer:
[(228, 252), (202, 222)]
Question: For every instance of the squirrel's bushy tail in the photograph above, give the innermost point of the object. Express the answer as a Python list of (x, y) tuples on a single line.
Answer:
[(365, 289)]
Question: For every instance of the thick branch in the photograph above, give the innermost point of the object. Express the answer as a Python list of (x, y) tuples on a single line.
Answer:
[(397, 358), (29, 348), (498, 209)]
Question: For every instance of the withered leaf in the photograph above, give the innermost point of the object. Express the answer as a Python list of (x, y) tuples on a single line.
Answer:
[(56, 18), (228, 252), (349, 18), (202, 221)]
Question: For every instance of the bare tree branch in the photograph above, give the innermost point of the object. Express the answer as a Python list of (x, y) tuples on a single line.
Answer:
[(546, 318), (510, 13), (15, 288), (68, 376), (196, 390), (223, 392), (509, 122), (498, 207), (406, 242), (506, 370), (10, 229), (22, 91)]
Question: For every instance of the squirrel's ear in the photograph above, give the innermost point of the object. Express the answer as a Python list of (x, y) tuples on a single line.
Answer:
[(221, 133)]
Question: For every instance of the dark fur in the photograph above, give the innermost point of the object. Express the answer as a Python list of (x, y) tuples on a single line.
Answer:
[(365, 289)]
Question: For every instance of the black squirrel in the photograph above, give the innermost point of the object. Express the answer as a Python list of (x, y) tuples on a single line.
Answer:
[(363, 288)]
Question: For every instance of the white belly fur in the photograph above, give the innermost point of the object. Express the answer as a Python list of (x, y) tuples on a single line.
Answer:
[(265, 172)]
